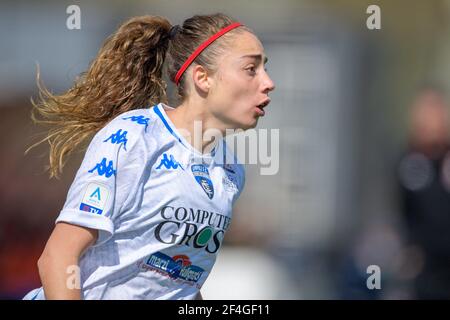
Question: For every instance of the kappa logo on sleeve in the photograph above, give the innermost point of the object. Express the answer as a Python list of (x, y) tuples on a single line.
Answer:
[(139, 120), (119, 138), (95, 198), (103, 169)]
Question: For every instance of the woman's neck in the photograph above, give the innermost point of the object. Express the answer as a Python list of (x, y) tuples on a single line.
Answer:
[(196, 125)]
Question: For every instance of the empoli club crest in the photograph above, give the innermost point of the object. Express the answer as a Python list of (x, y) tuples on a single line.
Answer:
[(201, 175)]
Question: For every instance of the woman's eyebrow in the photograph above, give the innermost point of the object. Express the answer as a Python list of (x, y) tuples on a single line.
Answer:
[(256, 56)]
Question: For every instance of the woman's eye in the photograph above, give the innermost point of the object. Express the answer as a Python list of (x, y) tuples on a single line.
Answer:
[(251, 69)]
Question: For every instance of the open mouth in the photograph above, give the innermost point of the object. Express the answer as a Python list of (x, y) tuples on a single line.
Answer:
[(260, 107)]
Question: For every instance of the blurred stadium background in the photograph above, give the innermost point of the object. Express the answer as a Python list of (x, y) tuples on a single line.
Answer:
[(342, 104)]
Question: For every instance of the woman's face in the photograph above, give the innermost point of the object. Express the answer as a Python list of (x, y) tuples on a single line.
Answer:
[(240, 87)]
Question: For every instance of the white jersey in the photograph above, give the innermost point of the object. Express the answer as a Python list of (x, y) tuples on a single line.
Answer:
[(161, 215)]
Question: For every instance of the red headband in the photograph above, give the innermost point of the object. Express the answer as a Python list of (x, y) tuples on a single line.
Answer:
[(202, 47)]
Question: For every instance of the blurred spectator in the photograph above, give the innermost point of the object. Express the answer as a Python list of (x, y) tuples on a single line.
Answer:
[(424, 180)]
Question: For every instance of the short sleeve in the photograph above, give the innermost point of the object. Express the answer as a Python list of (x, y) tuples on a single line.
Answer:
[(111, 169)]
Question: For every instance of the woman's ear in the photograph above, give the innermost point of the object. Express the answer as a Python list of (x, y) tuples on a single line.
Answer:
[(201, 78)]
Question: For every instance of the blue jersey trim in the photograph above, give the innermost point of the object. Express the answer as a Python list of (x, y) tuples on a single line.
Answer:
[(158, 112), (167, 125), (37, 293)]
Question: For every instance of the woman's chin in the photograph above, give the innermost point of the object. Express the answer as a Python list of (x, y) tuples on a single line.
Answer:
[(249, 125), (253, 123)]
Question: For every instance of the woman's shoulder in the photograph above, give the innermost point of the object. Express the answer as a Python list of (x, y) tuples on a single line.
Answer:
[(136, 120), (129, 129)]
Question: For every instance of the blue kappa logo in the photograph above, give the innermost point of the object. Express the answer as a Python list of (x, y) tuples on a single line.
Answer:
[(119, 138), (169, 163), (103, 169), (139, 120)]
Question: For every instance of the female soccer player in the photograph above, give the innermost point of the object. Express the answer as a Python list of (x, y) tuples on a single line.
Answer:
[(147, 211)]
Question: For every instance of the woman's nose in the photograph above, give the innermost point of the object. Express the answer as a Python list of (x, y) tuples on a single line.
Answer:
[(269, 85)]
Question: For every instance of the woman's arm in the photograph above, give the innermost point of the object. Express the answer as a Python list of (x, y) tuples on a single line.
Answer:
[(56, 264)]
